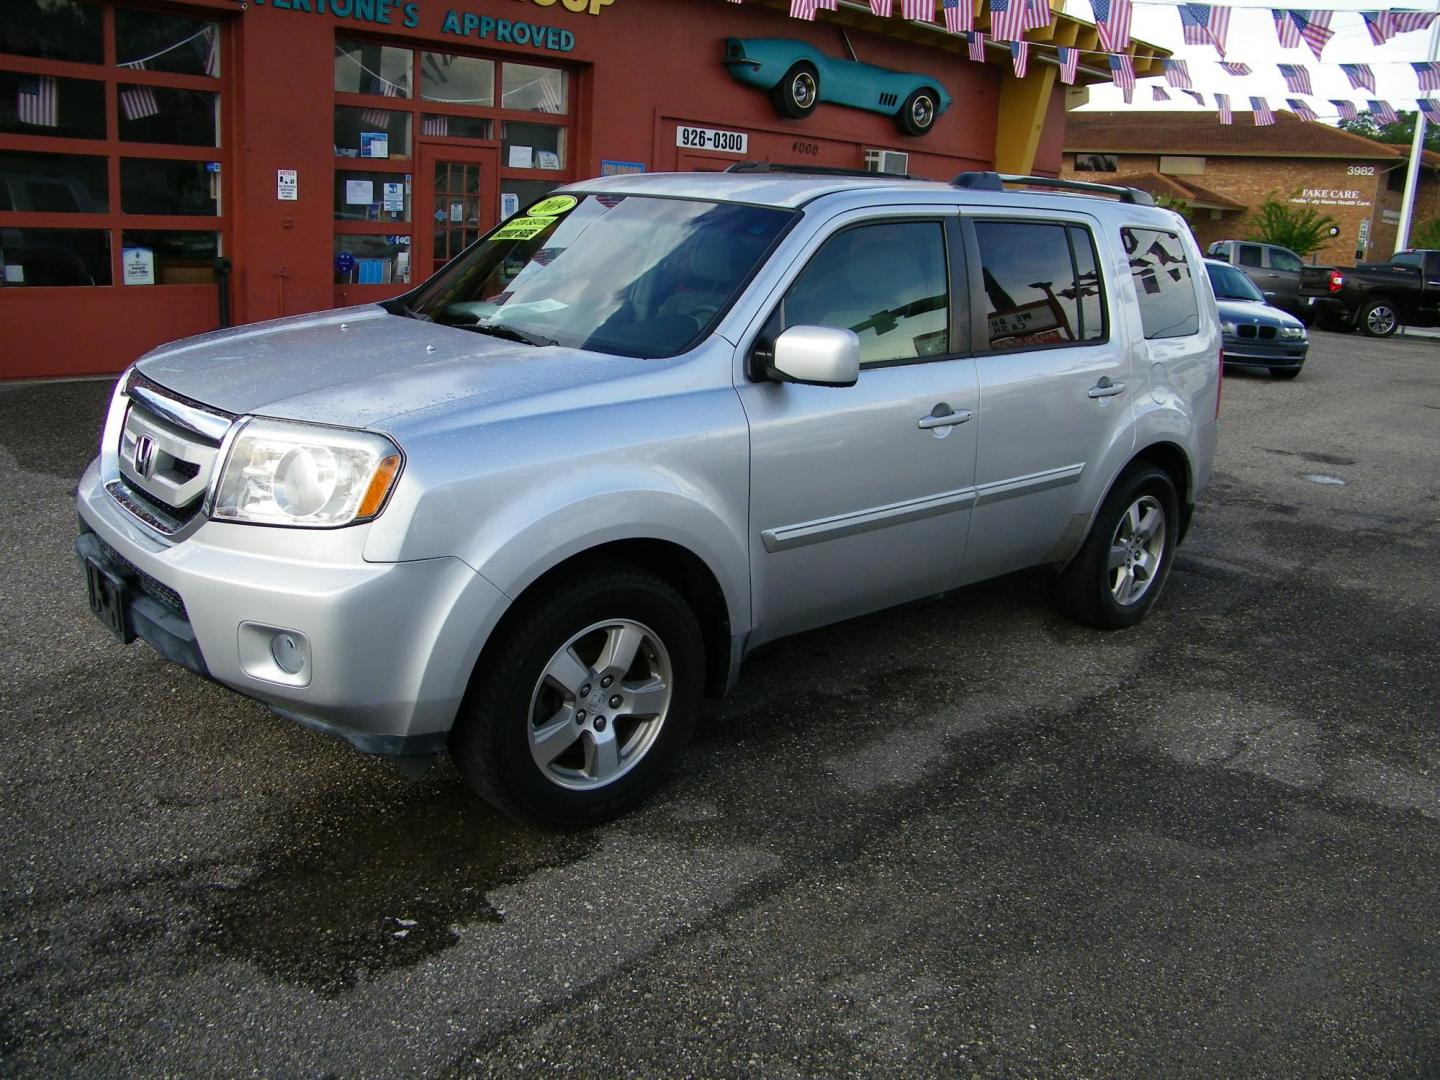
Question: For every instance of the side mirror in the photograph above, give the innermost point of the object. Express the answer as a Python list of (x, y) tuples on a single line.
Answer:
[(816, 356)]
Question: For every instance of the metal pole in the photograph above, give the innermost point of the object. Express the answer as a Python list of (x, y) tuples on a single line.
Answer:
[(1417, 149)]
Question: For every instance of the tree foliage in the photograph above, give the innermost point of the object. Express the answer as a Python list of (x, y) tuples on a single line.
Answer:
[(1401, 133), (1299, 228), (1426, 235)]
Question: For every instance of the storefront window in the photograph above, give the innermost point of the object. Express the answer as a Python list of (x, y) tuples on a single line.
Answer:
[(534, 89), (371, 133), (459, 80), (371, 196), (53, 183), (148, 42), (177, 258), (155, 186), (372, 260), (524, 192), (363, 68), (455, 127), (50, 257), (52, 30), (532, 146), (51, 105), (158, 114)]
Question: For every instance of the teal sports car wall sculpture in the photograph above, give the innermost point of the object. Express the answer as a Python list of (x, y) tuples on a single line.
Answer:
[(799, 77)]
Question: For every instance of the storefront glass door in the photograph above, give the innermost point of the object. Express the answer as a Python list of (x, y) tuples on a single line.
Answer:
[(460, 200)]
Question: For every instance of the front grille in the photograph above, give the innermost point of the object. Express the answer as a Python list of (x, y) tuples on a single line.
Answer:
[(148, 585), (1250, 330)]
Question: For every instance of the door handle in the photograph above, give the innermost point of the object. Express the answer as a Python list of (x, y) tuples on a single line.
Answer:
[(1106, 388), (943, 416)]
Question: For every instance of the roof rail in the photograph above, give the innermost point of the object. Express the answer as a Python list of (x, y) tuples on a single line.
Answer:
[(993, 181), (816, 170)]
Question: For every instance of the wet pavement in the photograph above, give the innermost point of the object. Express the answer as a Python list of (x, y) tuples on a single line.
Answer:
[(963, 837)]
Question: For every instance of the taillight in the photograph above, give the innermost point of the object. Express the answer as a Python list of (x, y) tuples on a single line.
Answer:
[(1219, 382), (1337, 281)]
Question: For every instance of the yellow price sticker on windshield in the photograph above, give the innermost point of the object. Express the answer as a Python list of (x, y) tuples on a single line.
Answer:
[(556, 204), (523, 228)]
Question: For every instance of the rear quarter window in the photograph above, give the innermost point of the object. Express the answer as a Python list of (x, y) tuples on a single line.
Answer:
[(1163, 283)]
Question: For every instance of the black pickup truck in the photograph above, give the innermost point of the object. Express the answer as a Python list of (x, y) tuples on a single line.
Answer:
[(1376, 298)]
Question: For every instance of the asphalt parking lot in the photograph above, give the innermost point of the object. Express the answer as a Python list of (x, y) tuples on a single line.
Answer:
[(967, 837)]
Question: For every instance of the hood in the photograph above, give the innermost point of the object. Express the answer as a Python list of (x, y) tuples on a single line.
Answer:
[(1253, 311), (359, 367)]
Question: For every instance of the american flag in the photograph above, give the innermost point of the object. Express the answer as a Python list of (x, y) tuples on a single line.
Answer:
[(1346, 110), (921, 10), (1205, 24), (1007, 19), (1037, 14), (959, 16), (1313, 27), (375, 84), (1384, 25), (1261, 110), (1157, 93), (35, 101), (1300, 109), (1177, 74), (1122, 71), (1382, 112), (882, 8), (828, 5), (1235, 68), (977, 46), (1285, 29), (1297, 78), (1428, 74), (1360, 76), (138, 102), (1069, 61), (1112, 20), (1199, 99), (1222, 102), (1431, 109), (803, 9), (1020, 57), (440, 125)]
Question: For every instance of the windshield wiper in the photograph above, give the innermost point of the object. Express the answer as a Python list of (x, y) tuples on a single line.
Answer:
[(398, 308), (509, 333)]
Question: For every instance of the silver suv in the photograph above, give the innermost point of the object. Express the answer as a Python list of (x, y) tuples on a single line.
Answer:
[(536, 508)]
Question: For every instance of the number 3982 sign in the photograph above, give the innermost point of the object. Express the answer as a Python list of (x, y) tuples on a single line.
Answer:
[(727, 142)]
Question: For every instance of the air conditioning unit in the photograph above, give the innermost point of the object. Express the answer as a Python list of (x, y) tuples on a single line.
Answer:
[(887, 161)]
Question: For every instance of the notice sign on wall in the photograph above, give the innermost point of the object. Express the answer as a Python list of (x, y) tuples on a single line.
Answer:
[(139, 263), (287, 185)]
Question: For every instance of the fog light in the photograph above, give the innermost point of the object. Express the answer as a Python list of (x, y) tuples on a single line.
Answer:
[(289, 654)]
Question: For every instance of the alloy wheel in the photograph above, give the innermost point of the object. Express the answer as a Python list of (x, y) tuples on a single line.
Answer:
[(1136, 550)]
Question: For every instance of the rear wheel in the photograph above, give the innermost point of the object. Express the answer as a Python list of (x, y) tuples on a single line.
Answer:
[(917, 116), (1119, 572), (590, 696), (797, 94), (1378, 318)]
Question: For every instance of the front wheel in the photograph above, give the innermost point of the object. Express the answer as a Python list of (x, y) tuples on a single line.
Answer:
[(797, 94), (919, 113), (1122, 566), (1378, 318), (589, 698)]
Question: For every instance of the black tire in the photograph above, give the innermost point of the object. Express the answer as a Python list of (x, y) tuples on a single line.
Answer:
[(492, 739), (1379, 318), (1085, 590), (796, 95), (918, 114), (1285, 372)]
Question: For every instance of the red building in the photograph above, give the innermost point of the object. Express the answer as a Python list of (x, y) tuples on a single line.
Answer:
[(167, 166)]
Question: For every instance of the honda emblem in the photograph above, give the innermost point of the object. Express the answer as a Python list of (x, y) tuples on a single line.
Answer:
[(144, 455)]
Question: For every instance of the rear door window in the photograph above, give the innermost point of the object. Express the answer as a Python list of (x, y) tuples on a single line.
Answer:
[(1280, 259), (1041, 283), (1163, 283), (1249, 255)]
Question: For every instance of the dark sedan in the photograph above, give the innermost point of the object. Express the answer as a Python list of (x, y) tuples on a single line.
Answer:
[(1257, 334)]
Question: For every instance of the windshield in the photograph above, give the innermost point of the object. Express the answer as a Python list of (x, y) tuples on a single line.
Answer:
[(1232, 284), (624, 274)]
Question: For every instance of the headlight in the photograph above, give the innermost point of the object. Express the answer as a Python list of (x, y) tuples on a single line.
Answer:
[(1292, 332), (303, 475), (1227, 327)]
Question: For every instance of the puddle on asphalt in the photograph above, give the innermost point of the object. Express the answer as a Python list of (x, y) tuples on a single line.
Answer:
[(352, 892)]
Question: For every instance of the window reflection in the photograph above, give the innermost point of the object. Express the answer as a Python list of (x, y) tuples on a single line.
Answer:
[(1030, 283), (1168, 307), (53, 183), (52, 29)]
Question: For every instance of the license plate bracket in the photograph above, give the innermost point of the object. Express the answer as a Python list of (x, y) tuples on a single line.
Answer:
[(107, 595)]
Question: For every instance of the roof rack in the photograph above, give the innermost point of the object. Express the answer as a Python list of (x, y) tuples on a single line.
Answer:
[(815, 170), (993, 181)]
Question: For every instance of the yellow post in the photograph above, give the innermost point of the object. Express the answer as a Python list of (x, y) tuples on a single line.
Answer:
[(1023, 104)]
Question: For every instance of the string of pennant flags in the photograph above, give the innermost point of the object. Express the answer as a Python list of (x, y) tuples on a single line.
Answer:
[(1201, 24)]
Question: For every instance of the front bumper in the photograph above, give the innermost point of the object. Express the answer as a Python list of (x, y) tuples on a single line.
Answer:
[(1276, 353), (391, 645)]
